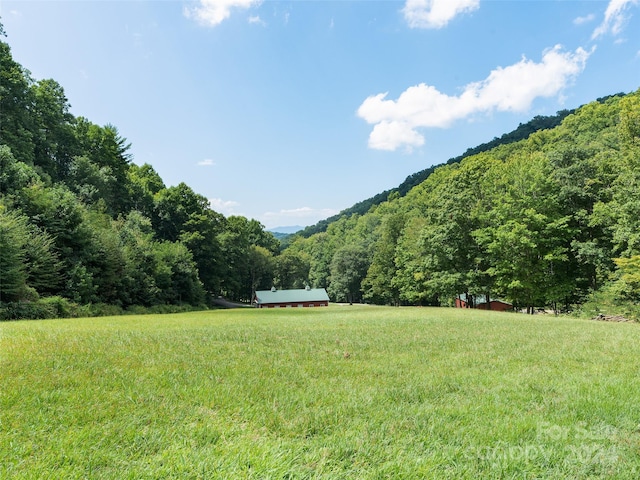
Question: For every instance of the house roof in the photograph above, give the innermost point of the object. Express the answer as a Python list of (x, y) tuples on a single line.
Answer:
[(292, 296)]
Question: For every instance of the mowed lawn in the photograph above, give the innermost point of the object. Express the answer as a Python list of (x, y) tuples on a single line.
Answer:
[(337, 392)]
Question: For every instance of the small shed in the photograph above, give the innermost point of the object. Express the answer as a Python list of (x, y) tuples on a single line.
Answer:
[(302, 297), (483, 303)]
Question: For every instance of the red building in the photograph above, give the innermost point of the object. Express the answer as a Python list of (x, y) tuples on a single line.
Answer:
[(480, 302)]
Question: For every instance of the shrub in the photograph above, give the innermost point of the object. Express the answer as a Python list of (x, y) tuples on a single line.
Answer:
[(609, 301), (48, 307), (26, 310), (102, 310)]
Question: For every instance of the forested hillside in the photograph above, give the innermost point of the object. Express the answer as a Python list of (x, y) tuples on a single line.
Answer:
[(523, 131), (549, 221), (537, 123), (84, 230), (542, 218)]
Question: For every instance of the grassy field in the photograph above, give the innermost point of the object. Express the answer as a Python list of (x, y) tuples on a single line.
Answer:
[(338, 392)]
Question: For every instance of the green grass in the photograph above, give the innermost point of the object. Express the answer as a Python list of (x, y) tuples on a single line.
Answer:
[(338, 392)]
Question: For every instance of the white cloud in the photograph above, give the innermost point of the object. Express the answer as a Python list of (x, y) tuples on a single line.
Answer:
[(435, 13), (586, 19), (511, 88), (226, 207), (207, 162), (388, 135), (614, 18), (256, 20), (305, 215), (214, 12)]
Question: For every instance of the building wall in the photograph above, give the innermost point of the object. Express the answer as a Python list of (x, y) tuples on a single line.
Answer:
[(496, 305), (293, 305)]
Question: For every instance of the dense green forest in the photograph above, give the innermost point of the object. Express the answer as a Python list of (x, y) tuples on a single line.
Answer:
[(547, 216), (84, 230), (549, 221), (539, 122), (523, 130)]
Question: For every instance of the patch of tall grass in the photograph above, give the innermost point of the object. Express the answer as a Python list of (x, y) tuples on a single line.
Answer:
[(338, 392)]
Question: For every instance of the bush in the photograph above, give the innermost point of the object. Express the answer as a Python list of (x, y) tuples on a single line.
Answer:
[(162, 309), (26, 310), (48, 307), (102, 310), (610, 302), (60, 307)]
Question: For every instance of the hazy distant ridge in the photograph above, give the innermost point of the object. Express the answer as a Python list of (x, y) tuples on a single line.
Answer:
[(288, 230)]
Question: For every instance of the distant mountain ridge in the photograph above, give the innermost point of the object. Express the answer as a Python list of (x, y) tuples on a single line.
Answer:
[(523, 131), (286, 230)]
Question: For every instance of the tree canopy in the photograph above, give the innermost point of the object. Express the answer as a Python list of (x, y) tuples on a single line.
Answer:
[(546, 216), (81, 223), (543, 218)]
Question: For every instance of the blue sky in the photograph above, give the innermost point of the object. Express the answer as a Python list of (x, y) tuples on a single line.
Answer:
[(288, 112)]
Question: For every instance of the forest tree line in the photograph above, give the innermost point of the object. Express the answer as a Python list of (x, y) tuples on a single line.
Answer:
[(551, 221), (82, 225), (523, 130)]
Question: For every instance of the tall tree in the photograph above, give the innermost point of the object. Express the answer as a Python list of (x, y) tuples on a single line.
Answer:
[(320, 250), (291, 269), (523, 233), (109, 151), (28, 263), (143, 183), (16, 107), (14, 175), (200, 234), (177, 275), (378, 284), (174, 207), (348, 268), (55, 143), (13, 275), (92, 184), (136, 238), (261, 268)]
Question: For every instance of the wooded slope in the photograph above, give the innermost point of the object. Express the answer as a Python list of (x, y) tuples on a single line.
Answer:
[(542, 222), (81, 224), (523, 131), (549, 220)]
